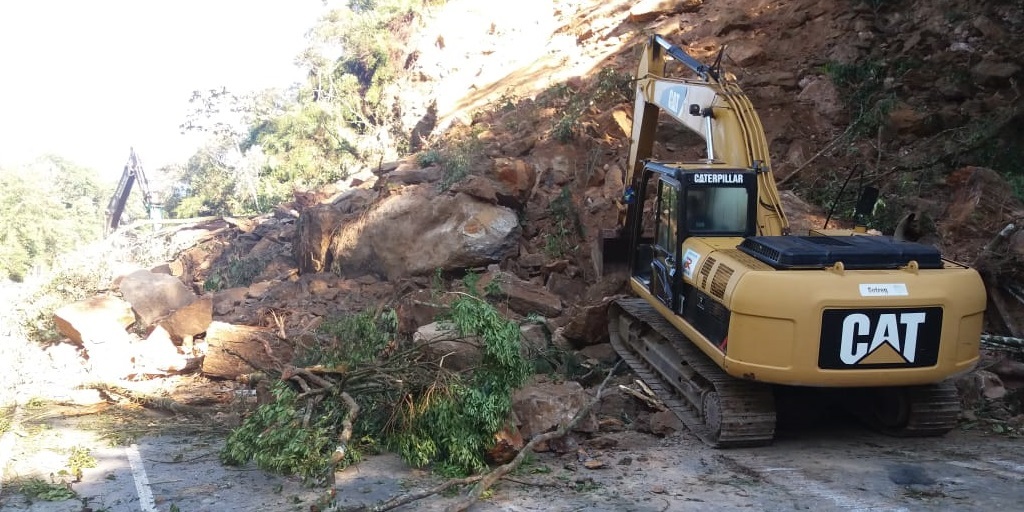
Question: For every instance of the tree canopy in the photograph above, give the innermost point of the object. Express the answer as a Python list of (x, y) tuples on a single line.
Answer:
[(265, 144), (50, 207)]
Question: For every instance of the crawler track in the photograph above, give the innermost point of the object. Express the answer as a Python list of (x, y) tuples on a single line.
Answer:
[(722, 410), (918, 411)]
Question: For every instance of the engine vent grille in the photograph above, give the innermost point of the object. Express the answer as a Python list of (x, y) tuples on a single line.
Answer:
[(746, 260), (705, 271), (720, 281)]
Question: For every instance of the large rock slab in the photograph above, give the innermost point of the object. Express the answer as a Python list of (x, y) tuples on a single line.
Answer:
[(523, 297), (544, 406), (440, 342), (93, 317), (190, 320), (417, 231), (154, 296)]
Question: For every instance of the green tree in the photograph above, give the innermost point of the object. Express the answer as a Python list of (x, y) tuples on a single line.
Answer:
[(48, 208), (267, 143)]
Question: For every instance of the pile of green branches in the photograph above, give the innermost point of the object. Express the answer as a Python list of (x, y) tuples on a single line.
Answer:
[(360, 389)]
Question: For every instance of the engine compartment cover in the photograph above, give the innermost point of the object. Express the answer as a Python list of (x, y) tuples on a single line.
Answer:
[(857, 252)]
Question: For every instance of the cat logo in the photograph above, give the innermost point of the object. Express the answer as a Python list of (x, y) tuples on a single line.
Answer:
[(857, 329), (885, 338)]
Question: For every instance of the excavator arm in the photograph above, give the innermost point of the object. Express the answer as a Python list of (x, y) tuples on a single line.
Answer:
[(132, 173), (714, 107)]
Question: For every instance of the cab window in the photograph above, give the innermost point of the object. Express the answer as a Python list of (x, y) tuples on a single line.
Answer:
[(716, 209), (668, 205)]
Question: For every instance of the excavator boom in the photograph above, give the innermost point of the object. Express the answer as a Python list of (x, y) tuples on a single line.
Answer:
[(713, 107)]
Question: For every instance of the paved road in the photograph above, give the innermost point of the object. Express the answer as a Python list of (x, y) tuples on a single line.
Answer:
[(829, 469)]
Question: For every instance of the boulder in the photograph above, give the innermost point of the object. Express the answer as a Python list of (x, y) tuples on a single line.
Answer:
[(154, 296), (419, 308), (417, 231), (746, 53), (111, 355), (509, 182), (649, 10), (821, 93), (226, 300), (93, 317), (665, 423), (603, 353), (189, 320), (415, 175), (440, 342), (507, 443), (993, 72), (545, 406), (982, 203), (524, 297), (533, 338), (588, 325), (514, 180), (978, 387), (158, 354), (567, 288)]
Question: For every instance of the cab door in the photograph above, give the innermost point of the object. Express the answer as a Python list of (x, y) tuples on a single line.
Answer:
[(664, 265)]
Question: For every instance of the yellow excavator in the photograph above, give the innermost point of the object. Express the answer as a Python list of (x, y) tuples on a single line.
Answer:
[(731, 308)]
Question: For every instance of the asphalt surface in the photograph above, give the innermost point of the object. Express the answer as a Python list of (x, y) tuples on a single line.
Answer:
[(835, 468)]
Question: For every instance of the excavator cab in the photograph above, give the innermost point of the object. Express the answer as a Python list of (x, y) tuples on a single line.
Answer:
[(687, 202)]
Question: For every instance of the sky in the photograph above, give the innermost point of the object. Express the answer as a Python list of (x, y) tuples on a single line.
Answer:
[(87, 80)]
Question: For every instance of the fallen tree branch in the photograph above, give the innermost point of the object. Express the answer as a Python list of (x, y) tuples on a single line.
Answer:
[(490, 478), (346, 426), (485, 481), (149, 402), (649, 400), (406, 499)]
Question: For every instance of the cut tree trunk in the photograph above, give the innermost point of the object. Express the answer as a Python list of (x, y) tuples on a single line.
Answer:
[(235, 350)]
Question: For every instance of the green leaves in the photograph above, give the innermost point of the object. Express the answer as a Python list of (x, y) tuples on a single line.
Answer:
[(275, 439), (454, 426), (48, 208), (408, 402)]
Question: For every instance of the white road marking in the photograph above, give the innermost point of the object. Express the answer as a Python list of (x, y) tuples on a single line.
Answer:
[(141, 480), (7, 443)]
